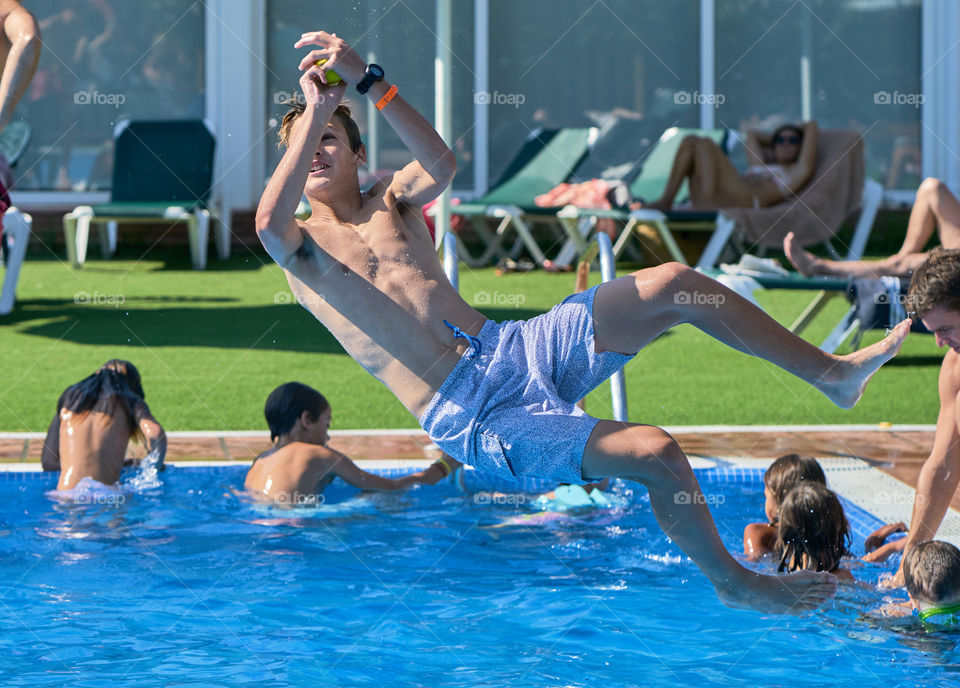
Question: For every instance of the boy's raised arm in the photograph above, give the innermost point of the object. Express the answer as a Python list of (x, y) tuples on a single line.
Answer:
[(276, 226), (420, 181)]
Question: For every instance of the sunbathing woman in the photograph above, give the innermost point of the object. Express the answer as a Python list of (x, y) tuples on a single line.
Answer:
[(935, 208), (95, 420), (780, 165)]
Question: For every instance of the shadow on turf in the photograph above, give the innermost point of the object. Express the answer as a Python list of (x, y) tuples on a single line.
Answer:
[(170, 259), (283, 327)]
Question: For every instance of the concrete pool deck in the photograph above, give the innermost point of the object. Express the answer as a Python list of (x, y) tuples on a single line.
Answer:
[(898, 451)]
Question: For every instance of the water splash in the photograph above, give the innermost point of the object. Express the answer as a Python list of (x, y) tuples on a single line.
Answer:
[(147, 473)]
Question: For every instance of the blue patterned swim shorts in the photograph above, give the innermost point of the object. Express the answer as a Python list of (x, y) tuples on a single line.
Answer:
[(510, 408)]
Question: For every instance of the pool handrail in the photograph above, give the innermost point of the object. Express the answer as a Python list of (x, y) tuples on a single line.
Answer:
[(451, 265), (608, 272)]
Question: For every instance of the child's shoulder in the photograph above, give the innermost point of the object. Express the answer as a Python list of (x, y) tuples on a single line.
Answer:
[(304, 451)]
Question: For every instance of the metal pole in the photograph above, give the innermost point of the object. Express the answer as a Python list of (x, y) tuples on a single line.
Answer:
[(608, 271), (442, 105)]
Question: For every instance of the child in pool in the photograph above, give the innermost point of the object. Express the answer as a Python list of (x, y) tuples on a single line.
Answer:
[(783, 474), (300, 465), (813, 531), (95, 420), (931, 571)]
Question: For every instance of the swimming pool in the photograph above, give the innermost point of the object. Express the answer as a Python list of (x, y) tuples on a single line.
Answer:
[(185, 584)]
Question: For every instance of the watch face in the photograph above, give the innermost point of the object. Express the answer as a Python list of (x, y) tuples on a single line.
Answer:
[(376, 71)]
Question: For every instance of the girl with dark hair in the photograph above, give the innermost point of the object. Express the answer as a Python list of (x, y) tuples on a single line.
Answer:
[(784, 473), (814, 534), (95, 420)]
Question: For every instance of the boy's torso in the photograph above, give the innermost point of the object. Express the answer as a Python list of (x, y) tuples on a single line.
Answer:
[(378, 286), (286, 471)]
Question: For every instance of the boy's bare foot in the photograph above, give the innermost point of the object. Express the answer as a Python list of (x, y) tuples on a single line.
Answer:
[(804, 261), (853, 371), (794, 593)]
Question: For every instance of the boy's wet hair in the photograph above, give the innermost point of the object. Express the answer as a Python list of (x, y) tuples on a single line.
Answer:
[(931, 572), (812, 523), (790, 470), (935, 283), (342, 113), (287, 403), (116, 382)]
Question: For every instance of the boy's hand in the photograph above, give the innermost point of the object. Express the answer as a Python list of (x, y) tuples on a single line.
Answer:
[(880, 535), (340, 57), (317, 99), (884, 552)]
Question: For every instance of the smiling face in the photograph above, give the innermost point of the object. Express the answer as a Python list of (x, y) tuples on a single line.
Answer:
[(316, 431), (945, 324), (334, 165)]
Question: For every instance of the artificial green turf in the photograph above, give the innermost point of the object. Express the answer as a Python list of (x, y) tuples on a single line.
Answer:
[(211, 345)]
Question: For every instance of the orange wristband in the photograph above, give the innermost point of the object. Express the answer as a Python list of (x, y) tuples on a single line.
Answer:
[(387, 97)]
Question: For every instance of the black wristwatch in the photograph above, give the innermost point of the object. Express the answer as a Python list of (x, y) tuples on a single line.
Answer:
[(373, 73)]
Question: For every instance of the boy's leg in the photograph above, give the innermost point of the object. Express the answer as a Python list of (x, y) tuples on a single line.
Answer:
[(650, 456), (632, 311)]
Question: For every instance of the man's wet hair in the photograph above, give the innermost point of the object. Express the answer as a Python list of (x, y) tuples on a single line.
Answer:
[(935, 283), (342, 114), (790, 470), (931, 572), (812, 523), (287, 403)]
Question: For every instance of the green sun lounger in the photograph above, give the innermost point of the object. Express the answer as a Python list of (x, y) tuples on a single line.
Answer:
[(647, 181), (546, 159), (162, 173)]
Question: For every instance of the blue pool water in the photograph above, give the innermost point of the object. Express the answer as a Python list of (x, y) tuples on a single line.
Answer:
[(186, 585)]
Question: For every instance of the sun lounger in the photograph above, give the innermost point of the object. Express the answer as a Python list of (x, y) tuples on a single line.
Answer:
[(546, 159)]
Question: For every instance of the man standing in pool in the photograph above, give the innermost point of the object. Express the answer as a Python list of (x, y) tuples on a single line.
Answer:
[(501, 397), (934, 297)]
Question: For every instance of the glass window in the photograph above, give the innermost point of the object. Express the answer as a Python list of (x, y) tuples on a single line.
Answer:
[(104, 61), (863, 60), (400, 36), (563, 64)]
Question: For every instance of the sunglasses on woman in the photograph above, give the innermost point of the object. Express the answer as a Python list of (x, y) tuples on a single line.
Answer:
[(792, 140)]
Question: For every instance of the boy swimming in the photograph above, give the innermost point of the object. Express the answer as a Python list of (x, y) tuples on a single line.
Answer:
[(501, 396), (95, 420), (931, 572), (300, 465)]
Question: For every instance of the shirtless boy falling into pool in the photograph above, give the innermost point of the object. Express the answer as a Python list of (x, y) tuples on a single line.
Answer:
[(501, 397)]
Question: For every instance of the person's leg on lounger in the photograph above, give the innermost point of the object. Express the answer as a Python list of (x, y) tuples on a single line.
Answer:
[(935, 209)]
